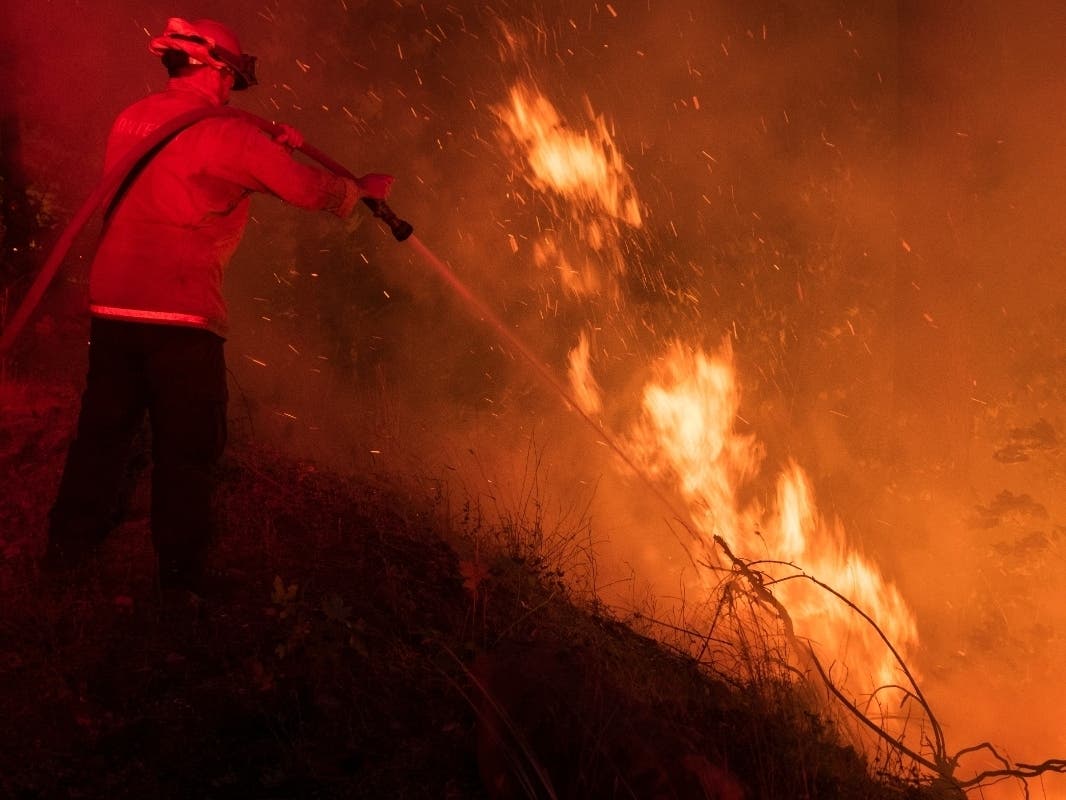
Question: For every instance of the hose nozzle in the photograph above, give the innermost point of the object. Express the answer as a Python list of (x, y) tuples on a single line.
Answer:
[(400, 228)]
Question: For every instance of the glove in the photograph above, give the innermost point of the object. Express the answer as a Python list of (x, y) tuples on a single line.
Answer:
[(289, 136), (375, 185)]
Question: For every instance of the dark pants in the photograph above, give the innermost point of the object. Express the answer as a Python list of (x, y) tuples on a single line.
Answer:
[(177, 375)]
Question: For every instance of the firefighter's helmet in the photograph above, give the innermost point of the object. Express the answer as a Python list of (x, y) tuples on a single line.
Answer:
[(206, 42)]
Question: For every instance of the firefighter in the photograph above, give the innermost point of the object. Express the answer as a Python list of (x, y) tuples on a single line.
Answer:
[(158, 318)]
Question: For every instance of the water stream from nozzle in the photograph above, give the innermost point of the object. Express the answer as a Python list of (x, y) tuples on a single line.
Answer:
[(487, 315)]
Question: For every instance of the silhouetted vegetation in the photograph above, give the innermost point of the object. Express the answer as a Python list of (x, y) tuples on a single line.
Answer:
[(359, 646)]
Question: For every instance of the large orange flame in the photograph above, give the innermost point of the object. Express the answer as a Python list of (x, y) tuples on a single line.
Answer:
[(687, 435)]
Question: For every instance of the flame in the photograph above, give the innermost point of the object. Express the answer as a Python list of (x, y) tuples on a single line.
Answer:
[(688, 435), (583, 383), (583, 167), (583, 178)]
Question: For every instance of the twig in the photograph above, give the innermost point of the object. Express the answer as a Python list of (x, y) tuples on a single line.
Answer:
[(1019, 770), (938, 732), (760, 586)]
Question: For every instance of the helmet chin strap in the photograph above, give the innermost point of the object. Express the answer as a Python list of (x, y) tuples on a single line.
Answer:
[(243, 66), (109, 190)]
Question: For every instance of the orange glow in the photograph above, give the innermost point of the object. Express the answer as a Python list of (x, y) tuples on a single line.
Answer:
[(687, 436)]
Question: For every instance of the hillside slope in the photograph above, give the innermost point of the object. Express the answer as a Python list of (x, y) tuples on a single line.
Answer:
[(361, 650)]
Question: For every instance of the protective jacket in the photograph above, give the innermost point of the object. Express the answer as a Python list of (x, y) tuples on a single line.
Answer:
[(164, 248)]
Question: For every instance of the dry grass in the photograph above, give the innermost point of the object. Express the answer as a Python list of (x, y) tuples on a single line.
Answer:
[(370, 647)]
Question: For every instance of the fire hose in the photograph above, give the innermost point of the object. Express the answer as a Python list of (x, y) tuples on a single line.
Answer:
[(125, 171), (111, 187)]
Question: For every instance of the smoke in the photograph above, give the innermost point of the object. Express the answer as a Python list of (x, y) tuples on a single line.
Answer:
[(863, 196)]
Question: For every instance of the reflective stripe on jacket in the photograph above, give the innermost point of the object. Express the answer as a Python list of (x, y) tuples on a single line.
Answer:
[(164, 248)]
